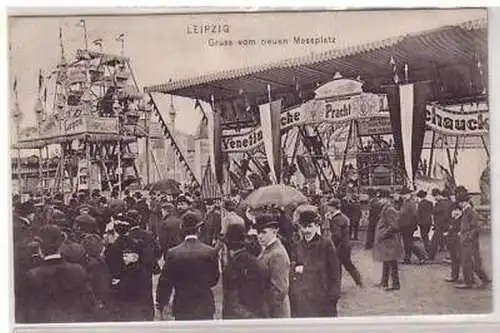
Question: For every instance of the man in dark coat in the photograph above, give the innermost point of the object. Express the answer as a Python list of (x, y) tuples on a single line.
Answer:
[(23, 235), (191, 269), (129, 200), (453, 242), (373, 216), (86, 223), (408, 225), (469, 242), (276, 262), (339, 229), (131, 279), (143, 208), (442, 219), (424, 218), (212, 227), (387, 247), (315, 283), (353, 212), (244, 279), (99, 276), (59, 291), (169, 231)]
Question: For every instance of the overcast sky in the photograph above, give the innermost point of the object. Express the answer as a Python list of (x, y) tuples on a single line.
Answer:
[(161, 49)]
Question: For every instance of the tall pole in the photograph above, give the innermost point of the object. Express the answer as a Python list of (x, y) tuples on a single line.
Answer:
[(89, 165), (148, 142), (431, 157), (119, 168)]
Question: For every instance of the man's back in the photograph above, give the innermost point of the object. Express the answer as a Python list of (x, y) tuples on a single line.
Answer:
[(59, 292), (192, 269)]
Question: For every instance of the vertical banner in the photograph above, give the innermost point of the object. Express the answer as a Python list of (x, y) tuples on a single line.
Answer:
[(406, 113), (214, 143), (271, 133), (407, 105)]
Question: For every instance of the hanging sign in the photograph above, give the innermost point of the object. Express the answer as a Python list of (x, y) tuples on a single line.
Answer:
[(453, 123), (377, 125), (332, 110)]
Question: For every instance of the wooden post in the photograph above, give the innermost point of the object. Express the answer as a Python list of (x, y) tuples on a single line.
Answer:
[(345, 152), (431, 157), (148, 143), (485, 147)]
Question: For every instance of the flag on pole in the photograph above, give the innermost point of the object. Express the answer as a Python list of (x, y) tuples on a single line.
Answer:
[(98, 42), (407, 106), (271, 133), (40, 81), (14, 86), (120, 37), (45, 95)]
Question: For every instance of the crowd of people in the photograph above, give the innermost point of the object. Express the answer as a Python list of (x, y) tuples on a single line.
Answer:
[(93, 258)]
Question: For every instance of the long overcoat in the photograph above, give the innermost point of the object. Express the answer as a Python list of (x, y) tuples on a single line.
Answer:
[(317, 287), (243, 283), (387, 245), (275, 260)]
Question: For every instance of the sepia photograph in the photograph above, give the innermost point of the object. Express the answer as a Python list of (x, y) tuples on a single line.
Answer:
[(249, 165)]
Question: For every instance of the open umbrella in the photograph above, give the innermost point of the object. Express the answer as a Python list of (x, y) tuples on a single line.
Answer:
[(167, 186), (275, 195)]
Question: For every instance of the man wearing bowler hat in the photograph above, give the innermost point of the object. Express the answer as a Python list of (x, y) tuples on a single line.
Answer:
[(315, 285), (59, 292), (244, 279), (339, 229), (274, 258), (212, 227), (469, 241), (191, 269), (408, 225)]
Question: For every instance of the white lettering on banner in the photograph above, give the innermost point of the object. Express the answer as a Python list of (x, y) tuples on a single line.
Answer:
[(456, 124), (315, 111)]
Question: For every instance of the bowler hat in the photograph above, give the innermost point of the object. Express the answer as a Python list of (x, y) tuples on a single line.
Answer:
[(435, 192), (461, 194), (138, 195), (235, 235), (421, 194), (266, 220), (334, 202), (405, 190), (191, 221), (209, 202), (308, 216)]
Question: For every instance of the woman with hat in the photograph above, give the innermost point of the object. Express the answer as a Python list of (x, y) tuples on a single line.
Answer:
[(469, 242), (315, 284), (274, 258), (191, 269), (387, 246), (128, 273), (244, 279)]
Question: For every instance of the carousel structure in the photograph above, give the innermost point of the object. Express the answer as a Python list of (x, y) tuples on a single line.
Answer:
[(92, 123)]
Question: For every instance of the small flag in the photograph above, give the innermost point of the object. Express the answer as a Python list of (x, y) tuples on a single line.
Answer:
[(120, 37), (98, 42), (197, 104), (14, 85), (81, 23), (40, 80)]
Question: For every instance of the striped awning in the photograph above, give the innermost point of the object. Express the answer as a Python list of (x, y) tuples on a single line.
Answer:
[(458, 47)]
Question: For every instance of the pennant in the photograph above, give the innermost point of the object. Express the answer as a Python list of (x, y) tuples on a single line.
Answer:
[(98, 42), (271, 132), (40, 81), (214, 142), (407, 105), (120, 37)]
